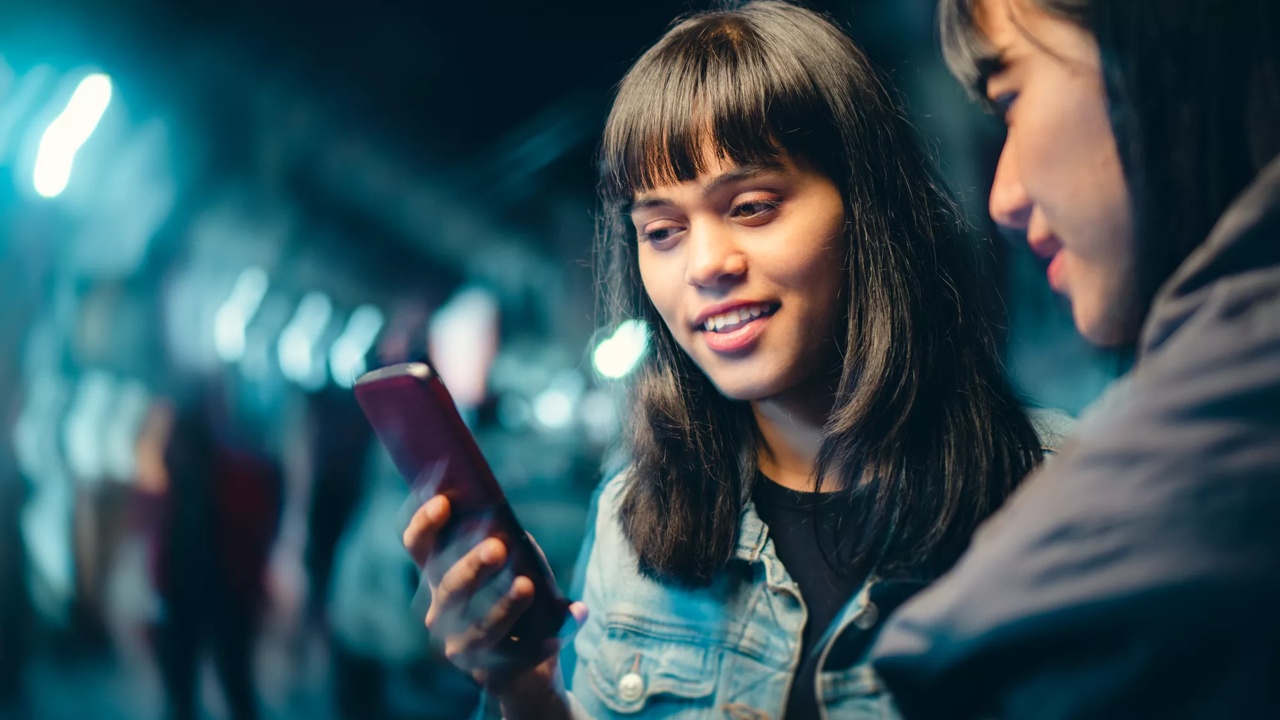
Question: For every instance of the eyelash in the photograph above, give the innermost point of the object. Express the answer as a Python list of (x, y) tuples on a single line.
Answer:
[(1002, 103), (649, 236), (767, 206)]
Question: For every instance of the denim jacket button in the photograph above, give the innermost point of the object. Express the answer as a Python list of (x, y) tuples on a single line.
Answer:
[(631, 687), (867, 619)]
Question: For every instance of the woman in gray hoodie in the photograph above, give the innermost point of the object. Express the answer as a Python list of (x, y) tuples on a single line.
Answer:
[(1137, 575)]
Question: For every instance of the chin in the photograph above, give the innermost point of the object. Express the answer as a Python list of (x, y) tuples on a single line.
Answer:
[(742, 394), (744, 390), (1105, 330)]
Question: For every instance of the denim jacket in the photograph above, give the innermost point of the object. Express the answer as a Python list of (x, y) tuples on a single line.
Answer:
[(729, 650)]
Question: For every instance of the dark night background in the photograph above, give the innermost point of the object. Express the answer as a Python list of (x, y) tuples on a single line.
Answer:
[(278, 195)]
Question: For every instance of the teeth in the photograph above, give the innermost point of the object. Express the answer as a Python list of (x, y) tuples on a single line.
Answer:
[(717, 323)]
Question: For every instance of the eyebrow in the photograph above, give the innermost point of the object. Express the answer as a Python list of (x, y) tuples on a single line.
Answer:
[(729, 177)]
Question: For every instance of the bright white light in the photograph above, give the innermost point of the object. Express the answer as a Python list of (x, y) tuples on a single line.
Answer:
[(233, 317), (462, 340), (47, 525), (346, 357), (122, 427), (297, 346), (553, 409), (85, 423), (62, 140), (619, 354), (35, 438)]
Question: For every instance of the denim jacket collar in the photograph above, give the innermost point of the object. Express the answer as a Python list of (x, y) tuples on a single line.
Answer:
[(751, 534)]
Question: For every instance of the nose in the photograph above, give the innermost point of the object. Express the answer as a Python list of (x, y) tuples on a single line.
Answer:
[(715, 260), (1010, 205)]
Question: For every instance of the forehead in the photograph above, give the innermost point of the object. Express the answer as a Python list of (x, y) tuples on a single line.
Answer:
[(1015, 29), (997, 20)]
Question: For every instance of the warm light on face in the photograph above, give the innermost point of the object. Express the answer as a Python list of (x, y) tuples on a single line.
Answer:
[(745, 266), (1059, 178)]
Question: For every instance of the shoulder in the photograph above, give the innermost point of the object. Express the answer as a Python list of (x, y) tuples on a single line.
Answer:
[(604, 528), (608, 498), (1052, 426), (613, 486), (1163, 504)]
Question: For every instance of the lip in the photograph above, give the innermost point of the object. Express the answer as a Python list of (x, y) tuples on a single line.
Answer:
[(1054, 273), (700, 319), (739, 341)]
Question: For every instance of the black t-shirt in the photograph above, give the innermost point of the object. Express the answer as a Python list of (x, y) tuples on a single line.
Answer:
[(820, 563)]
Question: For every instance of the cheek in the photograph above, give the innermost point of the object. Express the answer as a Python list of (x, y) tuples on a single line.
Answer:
[(1066, 151), (813, 286), (823, 270), (812, 256), (663, 292)]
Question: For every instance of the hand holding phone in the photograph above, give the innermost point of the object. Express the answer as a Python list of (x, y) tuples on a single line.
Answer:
[(416, 420)]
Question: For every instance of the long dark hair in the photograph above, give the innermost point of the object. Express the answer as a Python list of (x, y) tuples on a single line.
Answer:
[(1194, 93), (923, 422)]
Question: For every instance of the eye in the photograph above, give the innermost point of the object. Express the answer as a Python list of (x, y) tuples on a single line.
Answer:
[(755, 209), (660, 236)]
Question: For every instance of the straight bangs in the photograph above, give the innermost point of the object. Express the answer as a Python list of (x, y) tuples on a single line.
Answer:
[(709, 91)]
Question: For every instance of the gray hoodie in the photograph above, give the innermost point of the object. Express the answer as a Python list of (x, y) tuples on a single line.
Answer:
[(1138, 574)]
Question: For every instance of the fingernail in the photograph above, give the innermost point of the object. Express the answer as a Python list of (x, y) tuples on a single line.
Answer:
[(516, 592), (489, 553), (435, 508)]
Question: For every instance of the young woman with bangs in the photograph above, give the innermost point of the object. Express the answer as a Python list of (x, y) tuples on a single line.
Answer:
[(822, 421)]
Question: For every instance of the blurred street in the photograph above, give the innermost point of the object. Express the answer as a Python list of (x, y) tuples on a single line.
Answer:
[(214, 216)]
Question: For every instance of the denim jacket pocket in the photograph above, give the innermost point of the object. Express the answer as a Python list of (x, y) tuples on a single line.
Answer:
[(641, 662), (855, 694)]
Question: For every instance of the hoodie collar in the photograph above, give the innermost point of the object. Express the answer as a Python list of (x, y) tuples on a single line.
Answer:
[(1246, 239)]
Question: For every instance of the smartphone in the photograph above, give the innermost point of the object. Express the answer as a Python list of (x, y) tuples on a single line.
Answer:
[(417, 421)]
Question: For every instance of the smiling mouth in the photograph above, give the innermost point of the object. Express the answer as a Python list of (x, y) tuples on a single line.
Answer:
[(736, 319)]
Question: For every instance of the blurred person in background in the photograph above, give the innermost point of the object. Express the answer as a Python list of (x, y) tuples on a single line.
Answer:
[(822, 420), (339, 440), (1138, 575), (14, 603), (24, 269), (361, 611), (13, 490), (381, 664), (218, 517)]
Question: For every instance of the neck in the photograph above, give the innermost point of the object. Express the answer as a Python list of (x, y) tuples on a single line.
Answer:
[(791, 434)]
